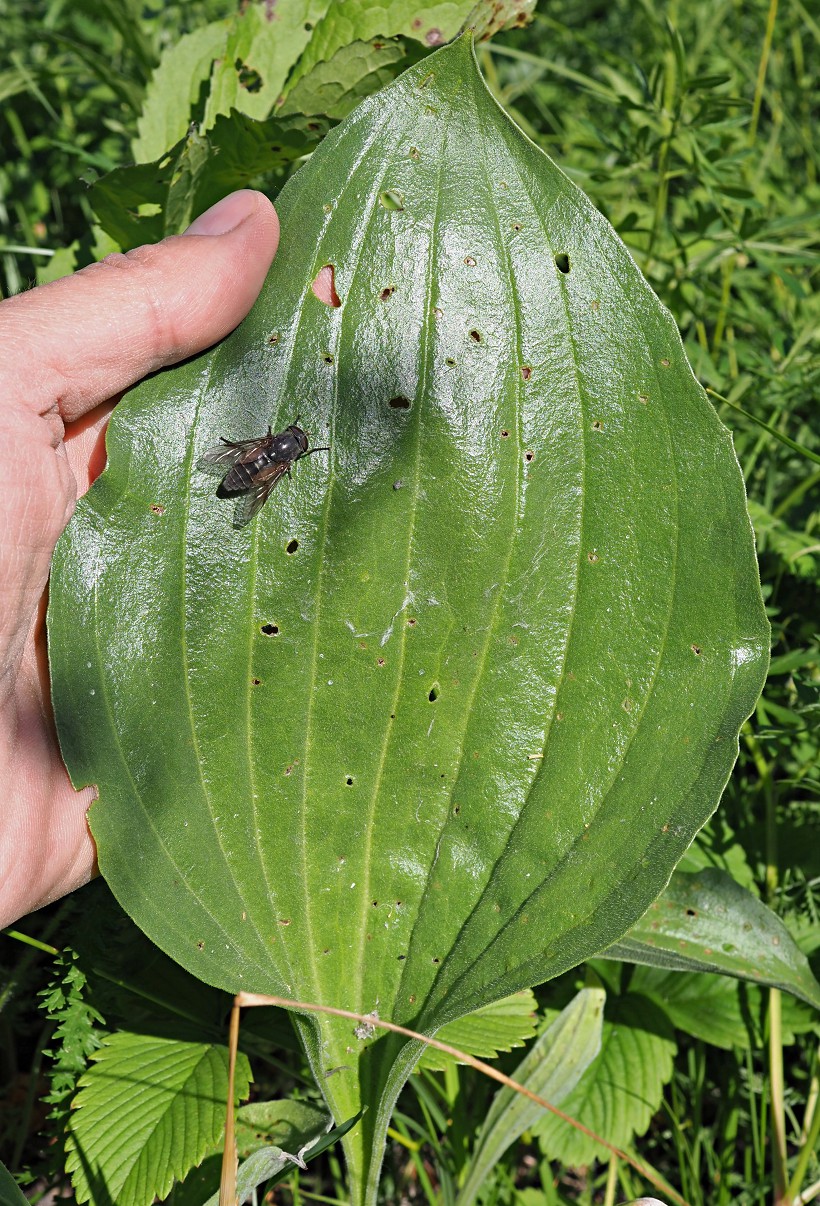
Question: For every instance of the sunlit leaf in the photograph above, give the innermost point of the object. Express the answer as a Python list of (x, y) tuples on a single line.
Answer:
[(438, 724), (704, 921), (552, 1069), (148, 1109)]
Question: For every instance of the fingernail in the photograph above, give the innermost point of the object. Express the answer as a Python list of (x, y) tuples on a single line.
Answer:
[(226, 215)]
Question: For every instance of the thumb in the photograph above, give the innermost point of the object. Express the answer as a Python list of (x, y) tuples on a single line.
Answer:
[(69, 345)]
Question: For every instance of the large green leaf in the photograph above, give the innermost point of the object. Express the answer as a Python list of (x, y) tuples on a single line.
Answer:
[(439, 723), (148, 1109)]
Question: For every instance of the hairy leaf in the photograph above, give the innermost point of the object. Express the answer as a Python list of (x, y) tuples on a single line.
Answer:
[(622, 1087)]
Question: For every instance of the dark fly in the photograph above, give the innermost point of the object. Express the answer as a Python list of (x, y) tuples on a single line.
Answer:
[(255, 466)]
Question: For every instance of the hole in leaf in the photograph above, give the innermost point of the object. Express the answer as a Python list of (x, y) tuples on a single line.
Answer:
[(249, 79), (392, 199), (274, 338), (270, 629), (597, 425), (380, 661), (157, 509), (257, 682), (433, 696), (691, 913), (387, 292), (308, 26), (328, 358), (528, 455), (400, 402), (562, 262), (324, 286), (291, 546), (469, 261), (593, 556), (526, 372), (412, 622), (349, 781), (475, 336), (505, 435), (696, 649), (450, 362), (516, 225)]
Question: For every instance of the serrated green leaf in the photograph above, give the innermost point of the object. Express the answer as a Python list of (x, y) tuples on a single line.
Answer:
[(147, 1110), (552, 1069), (174, 89), (706, 1006), (431, 22), (355, 71), (438, 725), (704, 921), (145, 202), (499, 1026), (718, 1010), (621, 1088)]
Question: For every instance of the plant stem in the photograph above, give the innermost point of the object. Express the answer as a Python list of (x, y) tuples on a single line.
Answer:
[(761, 71), (611, 1182)]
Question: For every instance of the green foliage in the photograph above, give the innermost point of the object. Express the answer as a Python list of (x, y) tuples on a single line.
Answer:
[(500, 1026), (705, 921), (594, 646), (551, 1068), (713, 184), (147, 1110), (621, 1088)]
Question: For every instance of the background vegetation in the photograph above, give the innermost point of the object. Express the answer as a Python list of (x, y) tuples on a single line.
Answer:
[(691, 127)]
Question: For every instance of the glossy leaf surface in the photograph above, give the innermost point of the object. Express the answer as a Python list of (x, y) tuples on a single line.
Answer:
[(439, 723), (704, 921)]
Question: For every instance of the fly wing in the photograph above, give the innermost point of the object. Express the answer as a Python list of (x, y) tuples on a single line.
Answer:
[(251, 502), (228, 453)]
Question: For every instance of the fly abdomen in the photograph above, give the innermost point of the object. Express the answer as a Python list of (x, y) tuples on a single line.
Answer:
[(244, 473)]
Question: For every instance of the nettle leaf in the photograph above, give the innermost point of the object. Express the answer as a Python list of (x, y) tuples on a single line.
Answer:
[(438, 724), (704, 921), (147, 1110), (552, 1069), (499, 1026), (621, 1088), (354, 72), (174, 89), (144, 202)]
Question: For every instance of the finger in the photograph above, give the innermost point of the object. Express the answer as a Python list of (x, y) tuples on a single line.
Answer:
[(74, 343)]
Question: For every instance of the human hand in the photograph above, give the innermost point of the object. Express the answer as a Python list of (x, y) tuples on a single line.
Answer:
[(67, 352)]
